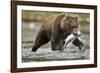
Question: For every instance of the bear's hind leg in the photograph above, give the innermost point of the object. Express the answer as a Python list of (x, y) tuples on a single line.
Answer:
[(35, 47), (41, 39)]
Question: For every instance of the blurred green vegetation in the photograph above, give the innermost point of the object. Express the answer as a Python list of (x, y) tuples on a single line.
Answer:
[(40, 16), (35, 15)]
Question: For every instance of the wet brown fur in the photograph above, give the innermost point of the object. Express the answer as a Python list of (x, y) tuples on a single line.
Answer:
[(55, 29)]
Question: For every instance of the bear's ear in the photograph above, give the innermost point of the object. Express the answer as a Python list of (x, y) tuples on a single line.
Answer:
[(64, 23), (62, 15), (59, 17), (76, 18)]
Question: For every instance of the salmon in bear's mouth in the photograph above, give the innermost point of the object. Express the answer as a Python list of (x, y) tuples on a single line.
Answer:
[(75, 39)]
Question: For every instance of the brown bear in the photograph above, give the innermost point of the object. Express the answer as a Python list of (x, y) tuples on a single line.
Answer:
[(56, 28)]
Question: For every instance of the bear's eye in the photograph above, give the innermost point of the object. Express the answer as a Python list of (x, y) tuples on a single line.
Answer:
[(73, 26)]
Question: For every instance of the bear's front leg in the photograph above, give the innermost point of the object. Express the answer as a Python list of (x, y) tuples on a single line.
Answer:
[(60, 45), (54, 38), (54, 44), (57, 44)]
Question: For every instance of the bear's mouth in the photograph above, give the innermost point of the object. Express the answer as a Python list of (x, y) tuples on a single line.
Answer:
[(75, 34)]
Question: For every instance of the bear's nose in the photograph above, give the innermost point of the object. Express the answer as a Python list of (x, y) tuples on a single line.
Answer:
[(75, 34)]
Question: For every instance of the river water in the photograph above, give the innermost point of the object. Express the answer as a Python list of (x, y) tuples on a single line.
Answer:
[(44, 53)]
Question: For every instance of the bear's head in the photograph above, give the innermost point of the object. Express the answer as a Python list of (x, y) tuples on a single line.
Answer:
[(70, 24)]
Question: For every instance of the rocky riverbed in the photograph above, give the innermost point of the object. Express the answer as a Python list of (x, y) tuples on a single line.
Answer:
[(48, 55)]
